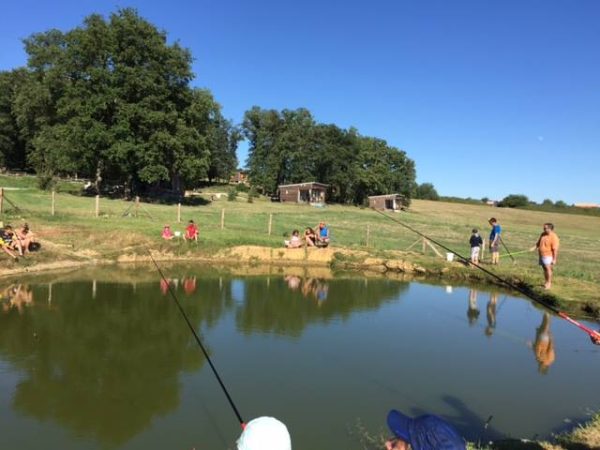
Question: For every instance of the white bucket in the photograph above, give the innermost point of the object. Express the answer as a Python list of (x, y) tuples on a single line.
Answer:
[(450, 257)]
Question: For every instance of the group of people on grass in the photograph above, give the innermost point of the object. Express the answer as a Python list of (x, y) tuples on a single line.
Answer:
[(312, 237), (547, 246), (426, 432), (17, 242), (190, 233)]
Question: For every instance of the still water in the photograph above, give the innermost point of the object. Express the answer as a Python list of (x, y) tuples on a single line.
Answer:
[(111, 364)]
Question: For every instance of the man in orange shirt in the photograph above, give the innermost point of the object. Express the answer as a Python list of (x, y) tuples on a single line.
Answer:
[(547, 246)]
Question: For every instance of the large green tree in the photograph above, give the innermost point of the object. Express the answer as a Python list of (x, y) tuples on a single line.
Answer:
[(291, 147), (111, 100)]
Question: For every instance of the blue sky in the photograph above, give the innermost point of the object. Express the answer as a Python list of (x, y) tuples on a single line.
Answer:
[(488, 97)]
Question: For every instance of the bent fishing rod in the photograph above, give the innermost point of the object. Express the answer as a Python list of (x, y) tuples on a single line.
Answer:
[(191, 327), (594, 335)]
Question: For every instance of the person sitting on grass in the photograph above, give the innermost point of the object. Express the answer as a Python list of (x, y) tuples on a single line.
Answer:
[(25, 237), (191, 232), (5, 240), (295, 241), (322, 235), (167, 233), (310, 237), (12, 240)]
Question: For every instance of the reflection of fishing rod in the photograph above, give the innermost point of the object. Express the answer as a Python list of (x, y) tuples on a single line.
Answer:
[(235, 410), (594, 335)]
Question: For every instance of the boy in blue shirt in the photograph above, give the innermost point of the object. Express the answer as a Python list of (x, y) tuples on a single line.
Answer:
[(495, 240)]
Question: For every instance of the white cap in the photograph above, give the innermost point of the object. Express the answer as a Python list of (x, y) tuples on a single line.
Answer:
[(265, 433)]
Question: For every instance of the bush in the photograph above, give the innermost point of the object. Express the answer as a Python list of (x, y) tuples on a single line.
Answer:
[(252, 194), (514, 201), (45, 181), (232, 195), (241, 187)]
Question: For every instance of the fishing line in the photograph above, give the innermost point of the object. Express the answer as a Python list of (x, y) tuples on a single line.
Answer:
[(594, 335), (191, 327), (517, 253)]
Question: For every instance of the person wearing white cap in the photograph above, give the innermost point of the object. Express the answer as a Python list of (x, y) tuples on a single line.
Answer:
[(265, 433)]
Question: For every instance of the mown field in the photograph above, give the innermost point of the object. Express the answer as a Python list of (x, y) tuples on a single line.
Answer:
[(75, 232)]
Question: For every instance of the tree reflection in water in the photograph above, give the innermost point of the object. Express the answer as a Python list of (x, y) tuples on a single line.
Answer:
[(104, 368), (281, 306), (103, 360)]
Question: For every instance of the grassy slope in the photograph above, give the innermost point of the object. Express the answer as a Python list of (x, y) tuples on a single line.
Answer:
[(76, 232)]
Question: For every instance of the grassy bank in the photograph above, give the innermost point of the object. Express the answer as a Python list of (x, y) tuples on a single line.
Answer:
[(74, 233)]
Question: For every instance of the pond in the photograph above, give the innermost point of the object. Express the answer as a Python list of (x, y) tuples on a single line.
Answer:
[(110, 363)]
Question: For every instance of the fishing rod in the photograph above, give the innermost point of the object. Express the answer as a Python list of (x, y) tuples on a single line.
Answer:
[(191, 327), (594, 335), (506, 248)]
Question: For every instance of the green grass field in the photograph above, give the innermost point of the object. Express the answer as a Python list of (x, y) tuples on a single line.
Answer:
[(120, 228)]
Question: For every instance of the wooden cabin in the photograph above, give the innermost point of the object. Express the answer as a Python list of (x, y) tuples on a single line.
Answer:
[(312, 193), (393, 202)]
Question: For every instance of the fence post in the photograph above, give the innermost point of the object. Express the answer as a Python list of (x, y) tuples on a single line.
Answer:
[(137, 205), (178, 212), (1, 200), (368, 233), (97, 205), (270, 223), (222, 218), (53, 202)]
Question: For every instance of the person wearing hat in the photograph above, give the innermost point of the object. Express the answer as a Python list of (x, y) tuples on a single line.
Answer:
[(427, 432), (265, 433)]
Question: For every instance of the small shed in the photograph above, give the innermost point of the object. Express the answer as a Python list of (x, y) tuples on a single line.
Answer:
[(394, 202), (303, 192)]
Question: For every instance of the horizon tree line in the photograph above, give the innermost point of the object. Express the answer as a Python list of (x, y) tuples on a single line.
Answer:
[(111, 101)]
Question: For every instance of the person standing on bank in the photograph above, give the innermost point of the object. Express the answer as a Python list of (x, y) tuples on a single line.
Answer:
[(476, 242), (547, 247), (495, 240)]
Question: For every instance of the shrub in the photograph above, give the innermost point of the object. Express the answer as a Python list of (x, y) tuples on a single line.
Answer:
[(232, 195)]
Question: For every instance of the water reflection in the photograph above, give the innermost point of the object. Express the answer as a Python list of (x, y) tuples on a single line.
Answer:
[(473, 310), (17, 297), (102, 368), (104, 360), (491, 314), (281, 306), (544, 345)]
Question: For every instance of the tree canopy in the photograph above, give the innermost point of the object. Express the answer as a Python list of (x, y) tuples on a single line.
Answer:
[(111, 100), (289, 146)]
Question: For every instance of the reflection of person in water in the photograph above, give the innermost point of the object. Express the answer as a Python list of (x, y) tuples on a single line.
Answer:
[(164, 286), (189, 285), (293, 281), (544, 345), (312, 287), (491, 314), (17, 296), (473, 310)]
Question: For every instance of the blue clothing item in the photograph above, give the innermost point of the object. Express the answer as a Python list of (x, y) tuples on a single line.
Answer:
[(324, 232), (427, 432), (496, 230)]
